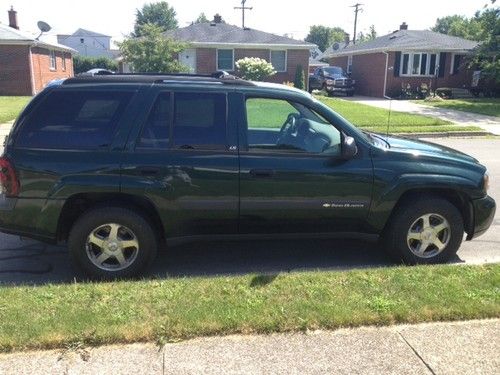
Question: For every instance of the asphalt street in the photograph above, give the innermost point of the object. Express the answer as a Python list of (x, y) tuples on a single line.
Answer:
[(28, 261)]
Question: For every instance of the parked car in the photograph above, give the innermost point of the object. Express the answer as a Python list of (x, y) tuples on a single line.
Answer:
[(119, 166), (333, 80)]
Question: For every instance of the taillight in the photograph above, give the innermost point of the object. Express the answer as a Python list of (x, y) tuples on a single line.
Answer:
[(9, 184)]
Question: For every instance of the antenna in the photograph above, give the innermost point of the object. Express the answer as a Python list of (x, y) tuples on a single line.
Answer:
[(388, 117), (44, 28), (356, 10), (243, 8)]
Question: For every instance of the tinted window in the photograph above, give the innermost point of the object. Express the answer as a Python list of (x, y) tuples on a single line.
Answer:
[(199, 121), (279, 125), (156, 131), (73, 120)]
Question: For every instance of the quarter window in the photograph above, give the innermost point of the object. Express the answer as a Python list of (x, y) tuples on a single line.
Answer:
[(278, 60), (156, 131), (74, 120), (225, 59)]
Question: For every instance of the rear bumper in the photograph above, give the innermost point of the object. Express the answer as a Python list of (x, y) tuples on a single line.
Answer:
[(484, 213), (25, 217)]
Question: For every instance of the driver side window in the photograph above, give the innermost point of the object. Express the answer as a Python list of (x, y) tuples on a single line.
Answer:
[(283, 126)]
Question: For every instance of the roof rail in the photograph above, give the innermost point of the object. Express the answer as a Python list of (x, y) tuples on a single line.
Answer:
[(216, 77)]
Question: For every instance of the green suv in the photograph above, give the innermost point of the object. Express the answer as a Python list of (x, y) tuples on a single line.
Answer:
[(119, 166)]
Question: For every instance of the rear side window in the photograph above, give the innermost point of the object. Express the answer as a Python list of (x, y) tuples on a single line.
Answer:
[(74, 120), (156, 132), (199, 121)]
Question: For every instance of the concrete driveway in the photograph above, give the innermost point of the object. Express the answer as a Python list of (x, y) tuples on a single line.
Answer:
[(490, 124), (27, 261)]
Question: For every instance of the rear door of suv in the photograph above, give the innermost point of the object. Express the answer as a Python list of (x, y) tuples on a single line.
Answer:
[(182, 157)]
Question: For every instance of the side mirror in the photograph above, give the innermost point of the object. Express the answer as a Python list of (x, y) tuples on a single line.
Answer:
[(349, 148)]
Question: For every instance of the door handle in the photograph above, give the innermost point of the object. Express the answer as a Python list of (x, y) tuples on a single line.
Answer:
[(260, 173), (149, 171)]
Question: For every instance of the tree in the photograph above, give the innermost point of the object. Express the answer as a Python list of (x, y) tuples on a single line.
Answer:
[(324, 36), (362, 37), (254, 68), (486, 56), (202, 18), (483, 27), (160, 14), (83, 64), (300, 78), (153, 52)]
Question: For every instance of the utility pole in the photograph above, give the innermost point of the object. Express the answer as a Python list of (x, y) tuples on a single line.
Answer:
[(243, 8), (356, 10)]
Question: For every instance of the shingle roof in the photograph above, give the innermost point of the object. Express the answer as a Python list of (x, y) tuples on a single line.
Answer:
[(89, 33), (8, 35), (223, 33), (408, 40)]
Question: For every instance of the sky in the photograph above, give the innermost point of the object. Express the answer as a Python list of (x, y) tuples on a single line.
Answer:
[(292, 17)]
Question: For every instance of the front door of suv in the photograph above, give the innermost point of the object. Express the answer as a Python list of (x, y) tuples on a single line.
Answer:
[(182, 161), (293, 178)]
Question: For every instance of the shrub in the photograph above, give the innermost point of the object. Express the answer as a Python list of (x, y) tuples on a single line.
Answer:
[(300, 78), (82, 64), (289, 84), (254, 68)]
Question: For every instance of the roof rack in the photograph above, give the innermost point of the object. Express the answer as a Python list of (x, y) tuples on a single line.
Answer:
[(216, 77)]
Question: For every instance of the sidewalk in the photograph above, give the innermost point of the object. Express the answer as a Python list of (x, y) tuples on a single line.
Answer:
[(488, 123), (434, 348)]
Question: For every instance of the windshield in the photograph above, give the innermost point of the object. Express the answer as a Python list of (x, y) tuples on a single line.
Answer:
[(334, 70)]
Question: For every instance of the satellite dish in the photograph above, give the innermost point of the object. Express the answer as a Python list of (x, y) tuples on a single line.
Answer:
[(335, 46), (44, 26)]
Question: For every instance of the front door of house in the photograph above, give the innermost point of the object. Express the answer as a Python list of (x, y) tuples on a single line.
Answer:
[(188, 58)]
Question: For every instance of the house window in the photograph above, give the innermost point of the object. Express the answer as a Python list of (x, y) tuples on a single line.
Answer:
[(278, 60), (225, 59), (418, 64), (456, 61), (63, 62), (349, 64), (53, 65)]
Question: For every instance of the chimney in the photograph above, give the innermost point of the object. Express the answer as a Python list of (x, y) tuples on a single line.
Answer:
[(347, 38), (403, 26), (217, 18), (13, 18)]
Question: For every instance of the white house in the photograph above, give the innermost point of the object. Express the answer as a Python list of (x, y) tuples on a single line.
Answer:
[(88, 43)]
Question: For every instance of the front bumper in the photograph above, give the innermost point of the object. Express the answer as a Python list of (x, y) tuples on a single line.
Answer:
[(484, 213), (344, 89)]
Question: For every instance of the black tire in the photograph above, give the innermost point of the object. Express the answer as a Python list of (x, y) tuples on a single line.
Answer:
[(95, 218), (395, 239)]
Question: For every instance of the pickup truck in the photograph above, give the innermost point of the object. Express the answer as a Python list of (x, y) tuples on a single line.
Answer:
[(333, 80)]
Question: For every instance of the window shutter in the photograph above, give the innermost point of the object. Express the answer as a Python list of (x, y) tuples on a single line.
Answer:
[(442, 63), (397, 63)]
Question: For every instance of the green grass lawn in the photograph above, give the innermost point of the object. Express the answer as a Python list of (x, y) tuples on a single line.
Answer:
[(484, 106), (162, 310), (10, 106), (375, 119)]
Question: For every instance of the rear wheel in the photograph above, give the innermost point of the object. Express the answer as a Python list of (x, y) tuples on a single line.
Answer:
[(112, 242), (425, 231)]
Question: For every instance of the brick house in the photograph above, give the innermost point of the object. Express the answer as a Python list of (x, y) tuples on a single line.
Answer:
[(28, 64), (382, 66), (217, 46)]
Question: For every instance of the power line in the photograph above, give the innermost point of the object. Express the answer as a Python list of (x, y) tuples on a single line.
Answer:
[(243, 8), (356, 10)]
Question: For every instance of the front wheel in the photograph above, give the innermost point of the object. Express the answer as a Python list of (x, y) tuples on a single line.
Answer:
[(425, 231), (112, 242)]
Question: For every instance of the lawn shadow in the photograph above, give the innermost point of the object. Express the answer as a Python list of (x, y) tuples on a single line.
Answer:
[(262, 280)]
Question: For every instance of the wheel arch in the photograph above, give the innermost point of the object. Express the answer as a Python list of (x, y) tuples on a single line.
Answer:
[(78, 204)]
